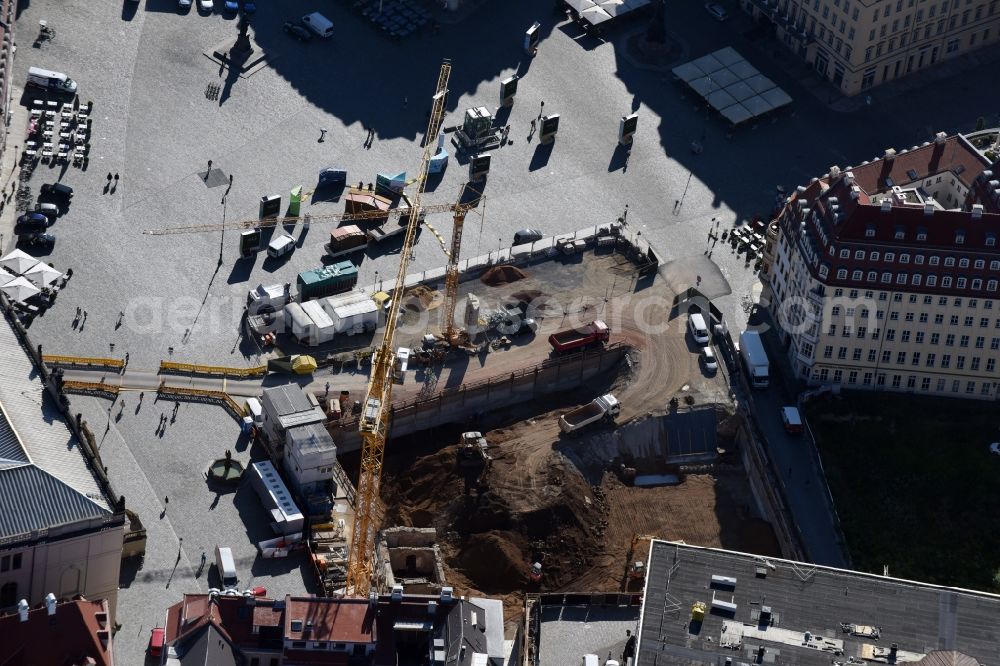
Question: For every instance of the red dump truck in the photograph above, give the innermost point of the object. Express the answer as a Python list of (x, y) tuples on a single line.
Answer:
[(577, 338)]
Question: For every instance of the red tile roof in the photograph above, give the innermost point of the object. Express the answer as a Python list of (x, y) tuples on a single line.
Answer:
[(955, 154), (233, 616), (78, 630), (335, 620)]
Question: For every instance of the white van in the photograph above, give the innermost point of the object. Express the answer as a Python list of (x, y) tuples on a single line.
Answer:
[(591, 660), (255, 411), (319, 24), (51, 81), (280, 246), (699, 331), (227, 567)]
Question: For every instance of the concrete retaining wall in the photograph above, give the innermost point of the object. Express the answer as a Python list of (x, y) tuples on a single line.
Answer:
[(456, 405)]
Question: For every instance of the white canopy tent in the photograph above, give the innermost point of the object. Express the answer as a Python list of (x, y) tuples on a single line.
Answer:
[(732, 86), (18, 261), (42, 275), (19, 289)]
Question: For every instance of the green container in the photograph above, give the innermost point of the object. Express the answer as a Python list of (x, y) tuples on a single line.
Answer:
[(327, 280)]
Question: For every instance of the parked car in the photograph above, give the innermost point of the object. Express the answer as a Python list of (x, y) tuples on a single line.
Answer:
[(50, 210), (708, 358), (716, 11), (297, 31), (38, 239), (231, 5), (33, 221), (205, 5), (184, 4), (249, 7), (57, 190), (792, 419)]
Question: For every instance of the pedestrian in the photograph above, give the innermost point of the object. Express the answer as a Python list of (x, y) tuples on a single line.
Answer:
[(322, 134), (541, 109), (142, 394), (116, 176), (110, 176), (85, 315), (677, 202), (328, 388), (533, 121), (78, 311), (210, 165)]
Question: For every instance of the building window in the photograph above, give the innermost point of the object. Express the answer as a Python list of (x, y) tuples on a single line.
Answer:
[(977, 284), (919, 337), (4, 563), (868, 379), (911, 381), (896, 380), (953, 320), (925, 384), (968, 321), (909, 316), (905, 337), (887, 277), (980, 342), (872, 276), (955, 385), (940, 385), (991, 364), (842, 353), (856, 354), (949, 340), (871, 355), (935, 338), (963, 341), (930, 360), (970, 387), (893, 316), (886, 356), (959, 362), (900, 358), (828, 351), (946, 361), (890, 334), (915, 359), (963, 262), (974, 365), (862, 331), (946, 281), (841, 273), (852, 377), (951, 47), (923, 318), (931, 280), (949, 262), (890, 257)]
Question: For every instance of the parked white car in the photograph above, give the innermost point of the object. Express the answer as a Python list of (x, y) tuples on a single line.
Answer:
[(205, 5)]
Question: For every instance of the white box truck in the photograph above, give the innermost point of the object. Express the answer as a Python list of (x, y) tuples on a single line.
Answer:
[(227, 567), (754, 359)]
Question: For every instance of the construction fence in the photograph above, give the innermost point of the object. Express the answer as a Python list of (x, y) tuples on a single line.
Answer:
[(83, 361), (213, 370)]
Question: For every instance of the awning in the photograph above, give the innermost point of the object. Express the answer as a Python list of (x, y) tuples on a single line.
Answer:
[(20, 290), (18, 261), (42, 275)]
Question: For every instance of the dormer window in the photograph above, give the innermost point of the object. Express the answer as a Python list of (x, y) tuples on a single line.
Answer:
[(870, 231), (842, 274), (899, 234), (918, 259), (845, 253), (932, 280), (904, 258), (960, 283), (890, 257), (872, 276), (980, 264), (921, 234), (874, 256), (977, 283), (934, 261), (959, 237), (946, 281), (991, 240), (856, 275), (991, 285), (915, 280), (859, 255)]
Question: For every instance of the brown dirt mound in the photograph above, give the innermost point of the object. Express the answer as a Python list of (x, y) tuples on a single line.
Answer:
[(500, 275), (494, 560), (420, 298)]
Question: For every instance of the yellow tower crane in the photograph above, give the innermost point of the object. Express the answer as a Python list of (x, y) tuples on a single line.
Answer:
[(374, 422)]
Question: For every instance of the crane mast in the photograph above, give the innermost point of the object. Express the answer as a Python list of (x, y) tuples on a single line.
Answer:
[(374, 422)]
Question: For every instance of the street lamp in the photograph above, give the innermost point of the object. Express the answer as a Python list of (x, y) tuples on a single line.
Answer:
[(222, 240)]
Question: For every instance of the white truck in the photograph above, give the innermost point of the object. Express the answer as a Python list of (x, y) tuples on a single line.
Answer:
[(605, 407), (270, 298), (754, 359)]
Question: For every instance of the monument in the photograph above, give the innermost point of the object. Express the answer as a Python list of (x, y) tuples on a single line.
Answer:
[(241, 55)]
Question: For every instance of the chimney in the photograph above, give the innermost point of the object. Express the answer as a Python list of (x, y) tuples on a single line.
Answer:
[(50, 603), (890, 154), (22, 609), (447, 594), (928, 209), (397, 592), (940, 138), (977, 211), (855, 192), (849, 177), (432, 607), (834, 173), (886, 205)]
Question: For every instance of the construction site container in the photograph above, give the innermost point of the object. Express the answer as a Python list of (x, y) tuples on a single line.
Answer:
[(323, 328), (346, 240), (352, 313), (298, 322), (327, 280)]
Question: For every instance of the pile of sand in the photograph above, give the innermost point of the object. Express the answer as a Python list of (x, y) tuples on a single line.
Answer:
[(500, 275), (420, 298)]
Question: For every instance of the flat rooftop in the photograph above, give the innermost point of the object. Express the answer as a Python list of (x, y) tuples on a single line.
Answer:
[(568, 632), (918, 618)]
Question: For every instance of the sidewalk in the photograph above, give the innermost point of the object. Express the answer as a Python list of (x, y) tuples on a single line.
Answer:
[(9, 168), (831, 97)]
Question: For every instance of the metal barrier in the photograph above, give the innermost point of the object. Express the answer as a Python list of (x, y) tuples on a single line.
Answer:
[(90, 388), (211, 396), (195, 369), (87, 361)]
